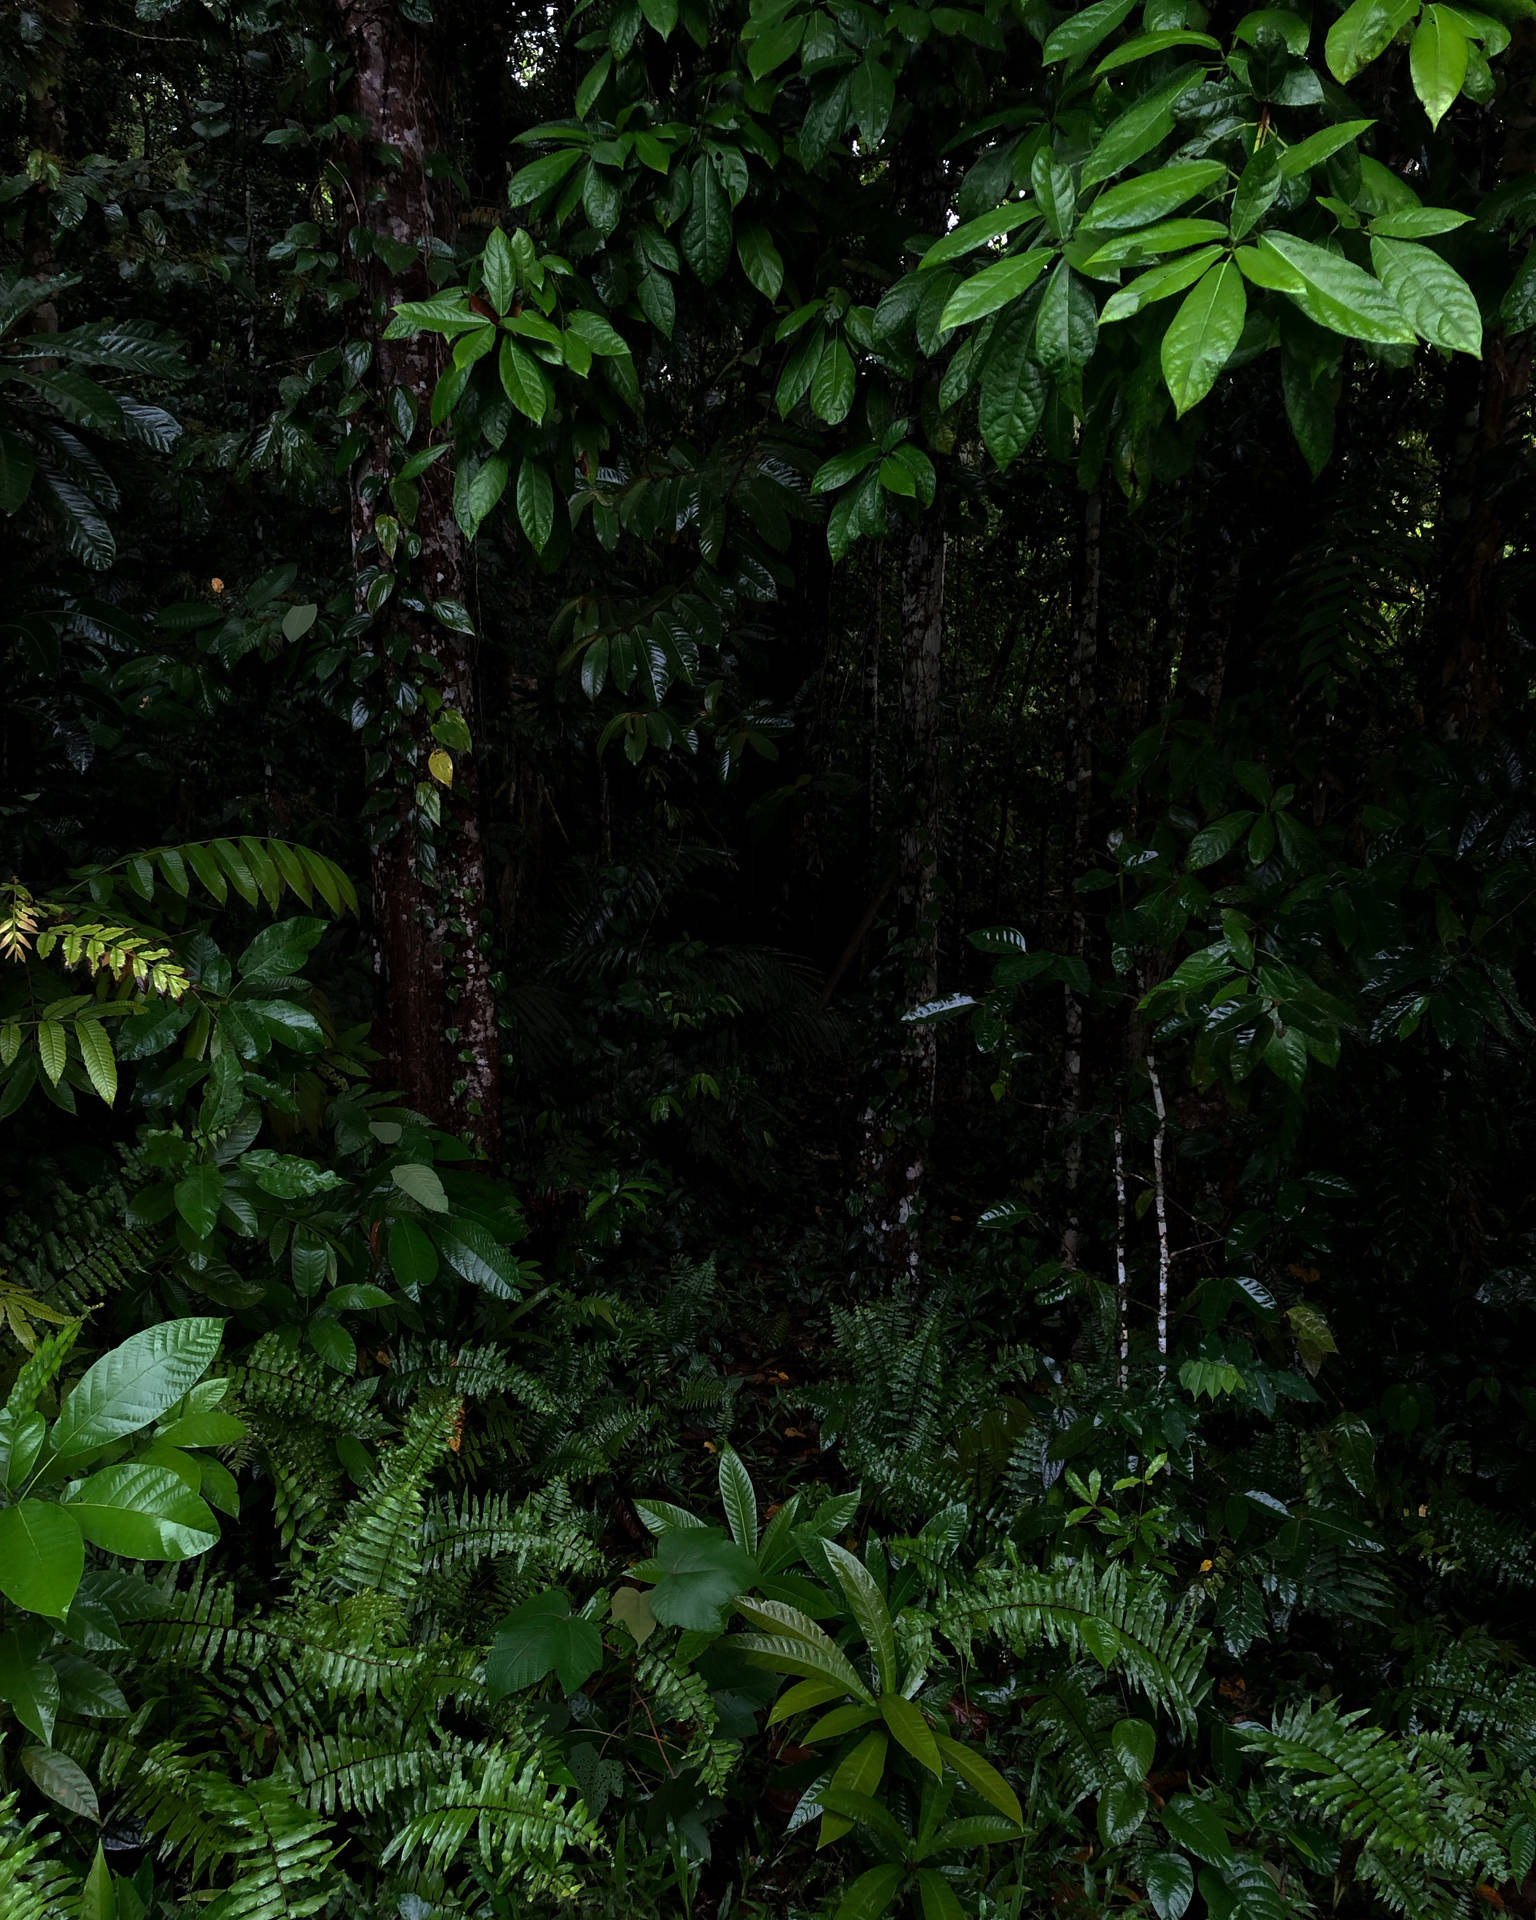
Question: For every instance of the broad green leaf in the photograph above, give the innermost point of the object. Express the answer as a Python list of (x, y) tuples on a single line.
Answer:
[(143, 1513), (773, 47), (702, 1573), (1055, 196), (100, 1062), (783, 1653), (832, 388), (334, 1344), (1167, 236), (1082, 31), (760, 260), (910, 1727), (1418, 223), (1170, 1884), (1157, 283), (632, 1609), (971, 234), (1257, 189), (525, 385), (1197, 1825), (1518, 307), (1318, 147), (1361, 32), (42, 1556), (28, 1683), (1101, 1638), (1437, 60), (1067, 324), (62, 1779), (661, 15), (539, 177), (1202, 334), (1335, 292), (476, 1255), (739, 1499), (1123, 1807), (98, 1899), (1437, 302), (841, 1720), (52, 1049), (134, 1384), (476, 490), (1137, 130), (536, 503), (867, 1605), (543, 1636), (858, 1772), (871, 1894), (1013, 390), (499, 271), (422, 1185), (1145, 45), (804, 1697), (843, 467), (872, 96), (981, 1777), (1135, 1745), (706, 232), (993, 287), (1150, 196), (939, 1900), (198, 1195)]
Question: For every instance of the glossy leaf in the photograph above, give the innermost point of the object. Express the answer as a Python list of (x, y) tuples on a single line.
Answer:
[(1202, 335), (143, 1513), (42, 1556), (134, 1384)]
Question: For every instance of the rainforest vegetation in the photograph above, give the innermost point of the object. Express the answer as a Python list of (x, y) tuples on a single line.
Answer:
[(767, 1013)]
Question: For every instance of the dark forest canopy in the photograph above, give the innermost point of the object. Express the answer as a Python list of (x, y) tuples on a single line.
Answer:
[(766, 996)]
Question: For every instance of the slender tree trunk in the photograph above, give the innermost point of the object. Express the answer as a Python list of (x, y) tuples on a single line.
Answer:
[(895, 1127), (437, 1017)]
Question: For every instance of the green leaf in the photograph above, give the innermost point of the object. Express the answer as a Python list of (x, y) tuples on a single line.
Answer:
[(993, 287), (702, 1573), (1418, 223), (1170, 1884), (199, 1195), (42, 1556), (1122, 1808), (422, 1185), (872, 1893), (772, 48), (17, 464), (52, 1049), (1202, 335), (739, 1499), (1331, 290), (632, 1609), (938, 1898), (98, 1899), (476, 490), (540, 1637), (1013, 390), (539, 177), (1135, 1745), (1437, 60), (143, 1513), (1197, 1825), (1137, 130), (1157, 283), (526, 387), (1308, 387), (981, 1777), (1084, 30), (476, 1255), (912, 1731), (1361, 32), (134, 1384), (1150, 196), (1051, 182), (660, 14), (1101, 1639), (971, 234), (1145, 45), (857, 1773), (1518, 307), (62, 1779), (536, 503), (28, 1683), (706, 232), (787, 1653), (1437, 302), (1318, 147), (1257, 188), (832, 388), (760, 260), (843, 467), (867, 1605), (1067, 324), (872, 96)]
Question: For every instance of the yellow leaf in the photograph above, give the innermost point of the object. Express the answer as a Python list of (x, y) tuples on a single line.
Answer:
[(440, 766)]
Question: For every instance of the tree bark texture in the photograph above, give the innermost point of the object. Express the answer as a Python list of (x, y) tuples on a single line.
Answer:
[(438, 1026), (1081, 680)]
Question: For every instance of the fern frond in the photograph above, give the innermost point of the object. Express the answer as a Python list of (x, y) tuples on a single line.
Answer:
[(362, 1766), (33, 1886), (378, 1542), (1104, 1613), (1356, 1777), (519, 1821), (544, 1532), (283, 1850)]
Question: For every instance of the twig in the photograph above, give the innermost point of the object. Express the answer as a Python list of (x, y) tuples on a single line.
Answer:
[(1164, 1257)]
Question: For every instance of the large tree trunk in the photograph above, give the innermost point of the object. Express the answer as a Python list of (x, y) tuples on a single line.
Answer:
[(437, 1018)]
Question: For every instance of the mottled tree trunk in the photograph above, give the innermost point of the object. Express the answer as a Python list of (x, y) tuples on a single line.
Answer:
[(437, 1018)]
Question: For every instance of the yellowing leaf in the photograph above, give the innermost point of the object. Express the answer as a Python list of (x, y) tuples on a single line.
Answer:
[(440, 765)]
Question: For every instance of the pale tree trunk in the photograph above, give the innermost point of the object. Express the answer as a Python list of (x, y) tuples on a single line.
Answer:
[(437, 1018)]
